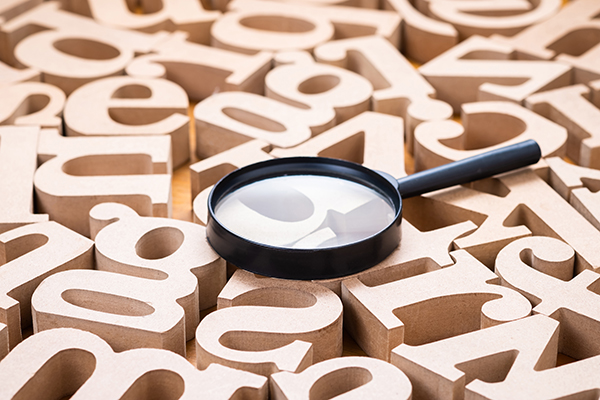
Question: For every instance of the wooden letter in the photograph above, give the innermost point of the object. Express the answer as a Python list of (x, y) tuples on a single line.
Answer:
[(481, 69), (571, 108), (418, 253), (4, 348), (319, 87), (86, 171), (222, 4), (18, 161), (160, 248), (494, 17), (254, 25), (229, 119), (70, 50), (571, 36), (372, 139), (516, 205), (126, 311), (158, 15), (9, 75), (445, 369), (32, 103), (29, 254), (11, 8), (251, 30), (266, 325), (207, 172), (131, 106), (595, 85), (541, 268), (75, 364), (348, 377), (428, 307), (146, 290), (423, 38), (579, 186), (202, 70), (398, 88), (485, 126)]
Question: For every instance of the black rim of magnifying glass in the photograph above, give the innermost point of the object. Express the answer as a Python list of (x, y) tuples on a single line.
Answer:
[(289, 263), (344, 260)]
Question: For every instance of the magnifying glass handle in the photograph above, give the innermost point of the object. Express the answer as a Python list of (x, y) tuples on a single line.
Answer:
[(471, 169)]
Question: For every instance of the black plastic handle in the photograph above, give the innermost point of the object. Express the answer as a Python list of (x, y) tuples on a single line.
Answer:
[(471, 169)]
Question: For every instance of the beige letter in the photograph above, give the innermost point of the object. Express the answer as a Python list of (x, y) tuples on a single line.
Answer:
[(32, 103), (131, 106), (266, 325), (352, 378), (75, 364), (202, 70), (486, 125), (29, 254), (18, 162), (428, 307), (71, 50), (481, 69), (445, 369), (571, 108), (86, 171)]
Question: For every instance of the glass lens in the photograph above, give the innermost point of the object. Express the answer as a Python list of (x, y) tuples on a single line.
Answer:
[(304, 212)]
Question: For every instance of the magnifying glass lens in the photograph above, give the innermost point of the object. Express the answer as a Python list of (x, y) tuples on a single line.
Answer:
[(323, 218), (305, 211)]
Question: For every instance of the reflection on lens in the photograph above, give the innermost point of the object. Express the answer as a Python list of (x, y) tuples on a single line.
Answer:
[(304, 212)]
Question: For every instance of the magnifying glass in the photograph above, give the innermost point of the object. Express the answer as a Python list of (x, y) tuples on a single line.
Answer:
[(320, 218)]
